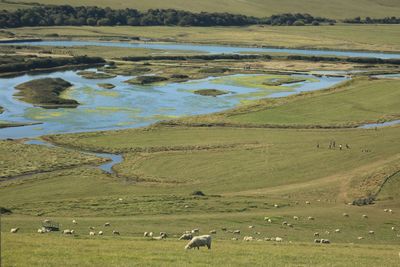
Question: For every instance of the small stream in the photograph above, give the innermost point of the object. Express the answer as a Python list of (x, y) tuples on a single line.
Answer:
[(106, 167)]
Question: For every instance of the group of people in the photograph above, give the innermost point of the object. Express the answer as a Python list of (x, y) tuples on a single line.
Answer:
[(332, 145)]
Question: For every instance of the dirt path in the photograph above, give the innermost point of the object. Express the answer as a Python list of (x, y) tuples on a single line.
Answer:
[(339, 180)]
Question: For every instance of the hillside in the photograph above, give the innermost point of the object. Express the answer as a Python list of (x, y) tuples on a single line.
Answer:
[(337, 9)]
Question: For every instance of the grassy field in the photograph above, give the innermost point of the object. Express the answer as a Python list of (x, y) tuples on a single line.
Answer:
[(342, 37), (247, 174), (337, 9)]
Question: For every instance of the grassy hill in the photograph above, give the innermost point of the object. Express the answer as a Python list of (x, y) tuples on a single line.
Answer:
[(337, 9)]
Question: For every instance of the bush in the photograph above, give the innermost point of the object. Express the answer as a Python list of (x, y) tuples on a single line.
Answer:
[(198, 193), (299, 23), (4, 210)]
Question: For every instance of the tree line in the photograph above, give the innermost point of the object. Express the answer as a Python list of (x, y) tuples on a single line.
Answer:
[(52, 15), (368, 20)]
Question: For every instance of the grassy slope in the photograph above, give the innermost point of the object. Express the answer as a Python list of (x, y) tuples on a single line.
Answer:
[(350, 37), (332, 9), (363, 101), (18, 159)]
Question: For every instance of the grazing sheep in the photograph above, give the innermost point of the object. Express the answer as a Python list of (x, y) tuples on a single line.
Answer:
[(107, 224), (393, 228), (345, 215), (386, 210), (284, 223), (337, 231), (100, 232), (251, 226), (120, 199), (317, 241), (325, 241), (267, 239), (365, 216), (234, 239), (186, 237), (46, 221), (145, 234), (161, 237), (74, 222), (41, 231), (163, 234), (360, 238), (290, 225), (14, 230), (186, 206), (236, 232), (92, 233), (91, 227), (276, 205), (213, 231), (195, 231), (248, 238), (296, 218), (257, 233), (67, 232), (223, 229), (316, 234), (266, 218), (308, 202), (278, 239), (391, 211), (269, 220), (199, 241), (310, 218), (115, 232), (371, 232)]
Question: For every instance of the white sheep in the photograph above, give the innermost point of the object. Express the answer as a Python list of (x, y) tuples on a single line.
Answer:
[(308, 202), (91, 233), (278, 239), (360, 238), (393, 228), (325, 241), (213, 231), (296, 218), (371, 232), (67, 232), (345, 215), (248, 238), (337, 231), (107, 224), (100, 232), (310, 218), (115, 232), (199, 241), (14, 230), (195, 231), (316, 234), (251, 226), (41, 231), (365, 216), (236, 232), (74, 222), (284, 223), (186, 237)]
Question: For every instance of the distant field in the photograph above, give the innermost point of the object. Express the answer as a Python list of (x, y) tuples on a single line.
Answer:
[(337, 9), (341, 37)]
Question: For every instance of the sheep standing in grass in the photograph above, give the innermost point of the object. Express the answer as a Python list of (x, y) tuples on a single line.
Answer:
[(14, 230), (186, 237), (115, 232), (213, 232), (199, 241), (92, 233)]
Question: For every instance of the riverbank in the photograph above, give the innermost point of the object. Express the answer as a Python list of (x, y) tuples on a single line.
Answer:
[(378, 38)]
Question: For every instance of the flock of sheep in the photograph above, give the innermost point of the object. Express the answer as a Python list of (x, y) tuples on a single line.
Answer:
[(197, 241)]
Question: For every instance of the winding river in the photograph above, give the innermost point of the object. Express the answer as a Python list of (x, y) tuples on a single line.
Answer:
[(212, 49)]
